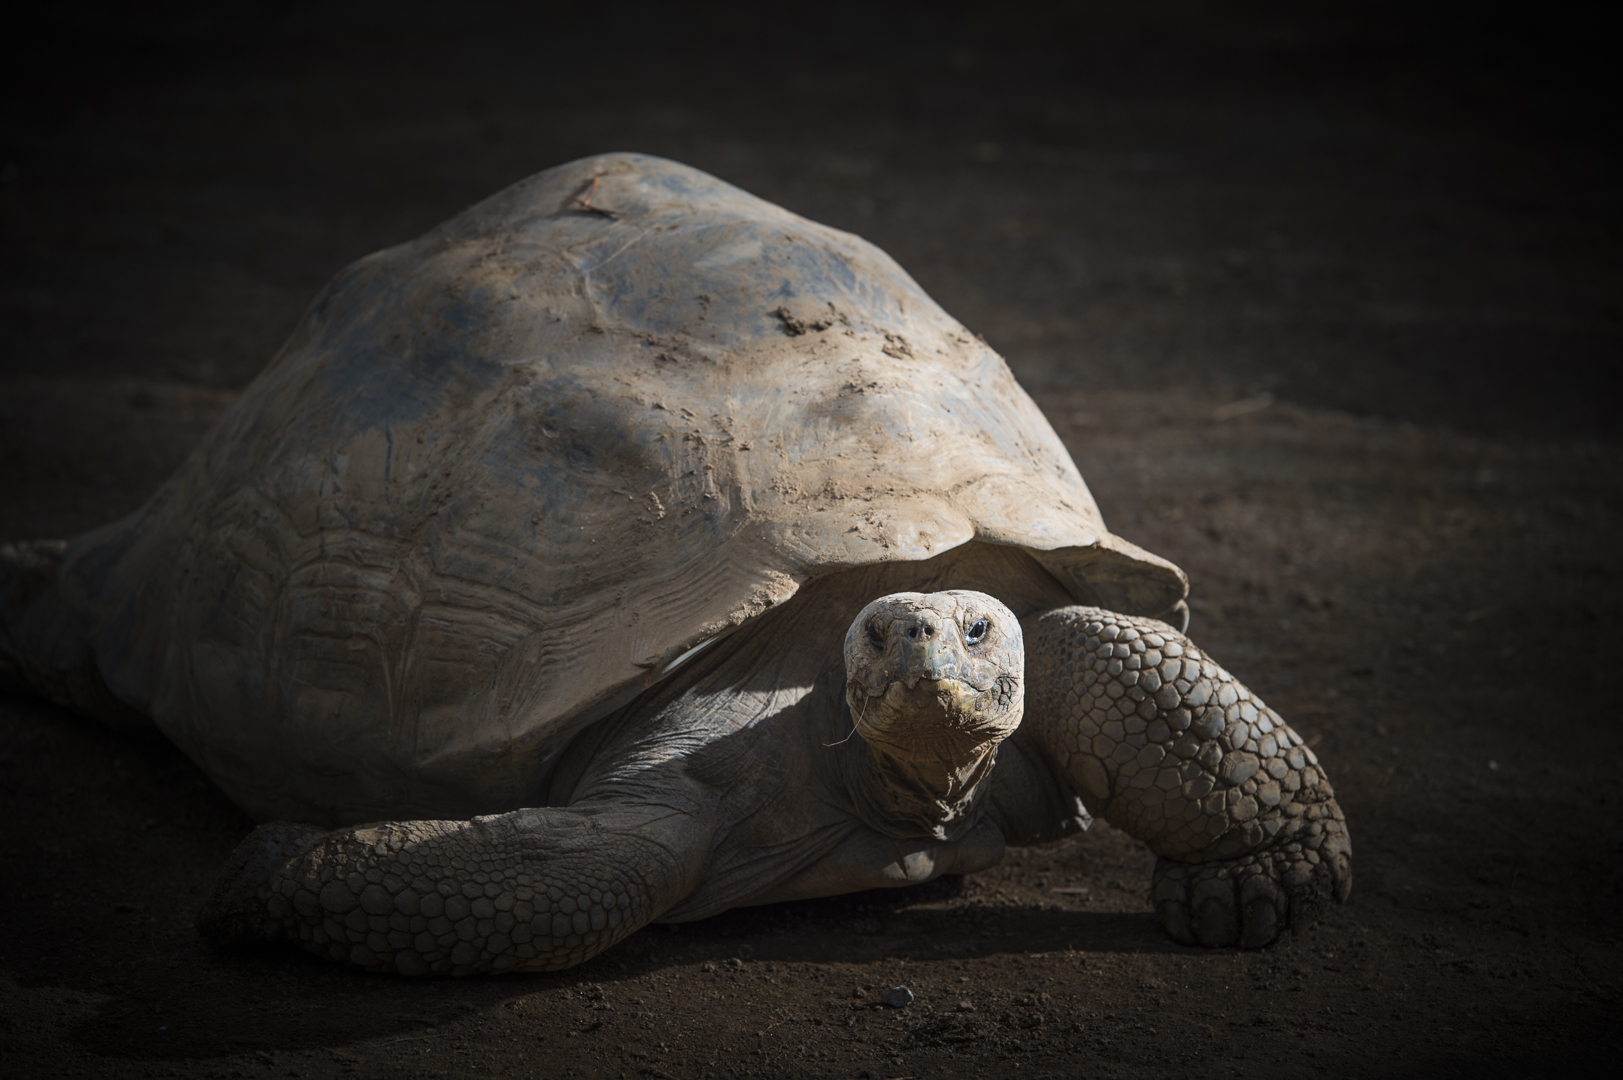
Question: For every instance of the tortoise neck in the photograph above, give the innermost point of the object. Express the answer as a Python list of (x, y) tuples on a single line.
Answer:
[(919, 795)]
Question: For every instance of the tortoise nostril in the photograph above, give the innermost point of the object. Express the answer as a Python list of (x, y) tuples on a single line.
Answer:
[(912, 632)]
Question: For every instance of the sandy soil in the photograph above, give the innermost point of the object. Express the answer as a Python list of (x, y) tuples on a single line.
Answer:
[(1409, 550)]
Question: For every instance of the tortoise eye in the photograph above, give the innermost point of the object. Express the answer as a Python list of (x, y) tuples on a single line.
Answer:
[(875, 638), (976, 632)]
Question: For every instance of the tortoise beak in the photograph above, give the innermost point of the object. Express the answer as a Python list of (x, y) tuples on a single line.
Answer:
[(925, 646), (927, 708)]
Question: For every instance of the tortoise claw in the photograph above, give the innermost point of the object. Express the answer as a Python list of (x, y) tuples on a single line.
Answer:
[(235, 909), (1250, 901)]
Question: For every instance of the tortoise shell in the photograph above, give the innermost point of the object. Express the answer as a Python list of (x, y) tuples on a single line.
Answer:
[(505, 477)]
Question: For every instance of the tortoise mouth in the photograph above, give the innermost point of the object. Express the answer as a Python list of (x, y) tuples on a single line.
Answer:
[(930, 711)]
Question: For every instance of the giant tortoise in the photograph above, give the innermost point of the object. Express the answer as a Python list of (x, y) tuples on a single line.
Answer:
[(628, 549)]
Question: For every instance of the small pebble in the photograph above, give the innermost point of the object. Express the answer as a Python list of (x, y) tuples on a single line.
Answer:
[(897, 997)]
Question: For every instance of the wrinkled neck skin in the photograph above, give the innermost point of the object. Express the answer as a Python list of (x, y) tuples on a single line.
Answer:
[(933, 684), (905, 793)]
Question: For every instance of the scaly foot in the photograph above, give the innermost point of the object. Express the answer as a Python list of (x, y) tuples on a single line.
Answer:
[(1252, 900)]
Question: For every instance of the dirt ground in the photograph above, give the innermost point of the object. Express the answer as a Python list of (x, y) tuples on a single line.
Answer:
[(1324, 309)]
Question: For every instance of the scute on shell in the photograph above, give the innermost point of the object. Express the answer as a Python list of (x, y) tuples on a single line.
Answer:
[(505, 476)]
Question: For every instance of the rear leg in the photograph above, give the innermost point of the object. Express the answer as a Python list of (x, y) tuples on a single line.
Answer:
[(41, 649), (532, 890)]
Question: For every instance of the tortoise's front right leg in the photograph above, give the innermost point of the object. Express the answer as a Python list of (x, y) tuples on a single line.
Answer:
[(533, 890), (1166, 745)]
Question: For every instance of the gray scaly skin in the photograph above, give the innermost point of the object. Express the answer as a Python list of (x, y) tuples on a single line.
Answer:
[(40, 649), (526, 891), (1123, 713), (1165, 744)]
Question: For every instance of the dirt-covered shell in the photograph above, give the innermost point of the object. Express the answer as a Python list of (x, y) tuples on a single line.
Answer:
[(507, 475)]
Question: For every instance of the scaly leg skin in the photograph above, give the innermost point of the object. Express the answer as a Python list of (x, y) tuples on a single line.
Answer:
[(533, 890), (41, 651), (1163, 743)]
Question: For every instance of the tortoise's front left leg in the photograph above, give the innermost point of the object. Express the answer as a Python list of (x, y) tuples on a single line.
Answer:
[(533, 890), (1166, 745)]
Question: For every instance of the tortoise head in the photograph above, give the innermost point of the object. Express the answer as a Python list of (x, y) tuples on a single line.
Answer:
[(934, 682)]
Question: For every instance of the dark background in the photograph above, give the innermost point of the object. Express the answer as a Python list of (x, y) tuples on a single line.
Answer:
[(1399, 220), (1394, 208)]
